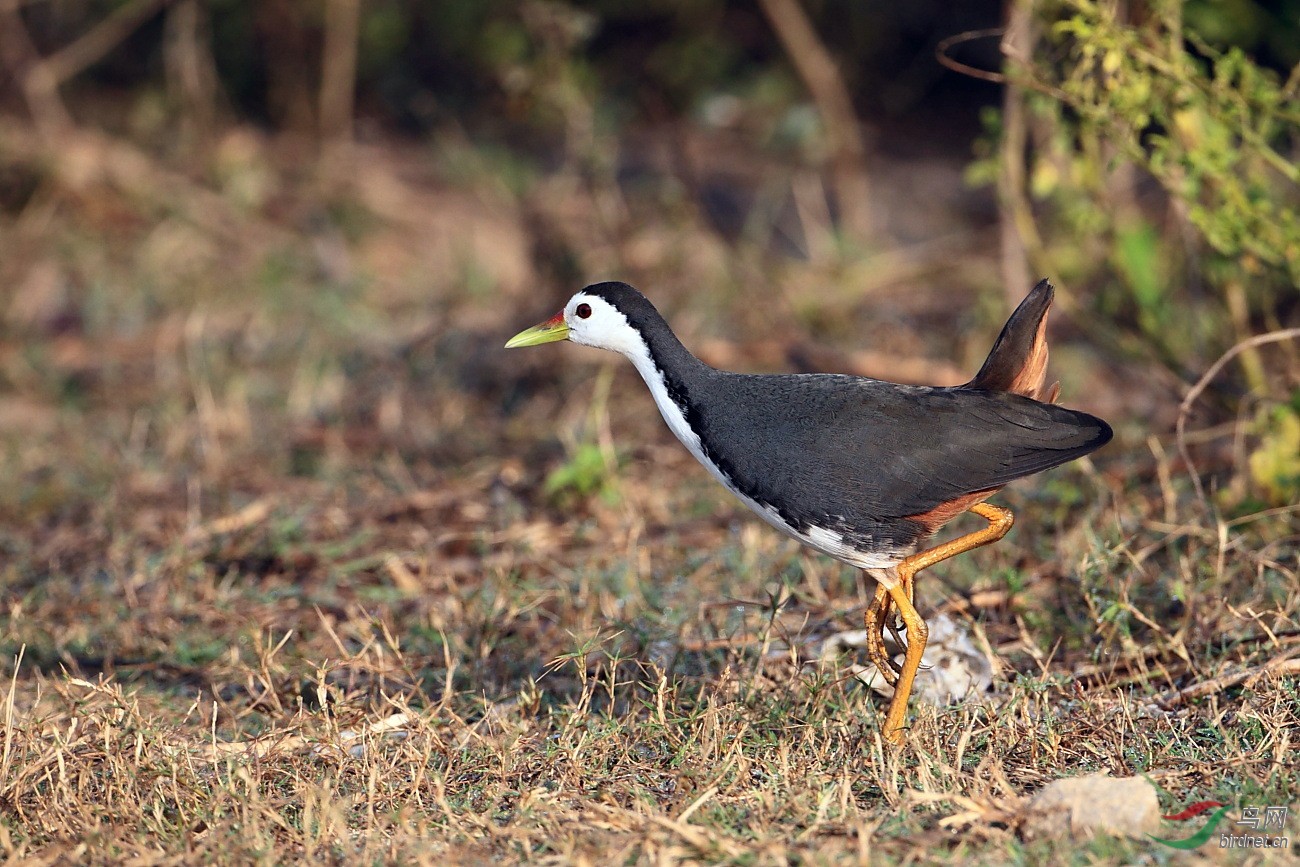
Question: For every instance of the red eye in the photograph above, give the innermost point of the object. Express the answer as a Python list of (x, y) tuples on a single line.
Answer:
[(583, 311)]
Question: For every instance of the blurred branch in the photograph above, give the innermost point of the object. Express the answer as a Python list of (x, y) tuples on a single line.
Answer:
[(292, 92), (41, 77), (1018, 233), (835, 106), (24, 62), (95, 43), (338, 75), (1185, 408), (84, 158), (191, 70)]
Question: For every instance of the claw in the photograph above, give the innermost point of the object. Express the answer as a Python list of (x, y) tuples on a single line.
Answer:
[(893, 630)]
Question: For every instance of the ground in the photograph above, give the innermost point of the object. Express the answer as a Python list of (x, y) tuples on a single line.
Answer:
[(300, 564)]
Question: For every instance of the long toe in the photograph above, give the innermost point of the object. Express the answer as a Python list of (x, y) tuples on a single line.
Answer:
[(874, 620)]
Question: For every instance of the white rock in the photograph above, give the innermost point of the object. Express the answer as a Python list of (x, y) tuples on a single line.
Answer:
[(1084, 806), (952, 667)]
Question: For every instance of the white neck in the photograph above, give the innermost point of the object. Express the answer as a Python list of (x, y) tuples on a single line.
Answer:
[(672, 414)]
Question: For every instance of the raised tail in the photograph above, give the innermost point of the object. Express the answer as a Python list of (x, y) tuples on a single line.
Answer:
[(1018, 361)]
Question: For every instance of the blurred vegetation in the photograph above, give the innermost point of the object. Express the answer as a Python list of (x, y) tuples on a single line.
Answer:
[(426, 64), (1159, 148), (271, 480), (1220, 134), (1214, 129), (1164, 173)]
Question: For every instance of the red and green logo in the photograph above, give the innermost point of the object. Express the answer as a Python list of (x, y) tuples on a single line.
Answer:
[(1192, 812)]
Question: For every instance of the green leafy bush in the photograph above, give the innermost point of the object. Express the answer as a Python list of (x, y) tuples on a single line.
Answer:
[(1120, 105), (1165, 175)]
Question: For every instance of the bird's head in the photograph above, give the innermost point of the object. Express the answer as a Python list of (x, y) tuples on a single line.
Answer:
[(601, 315)]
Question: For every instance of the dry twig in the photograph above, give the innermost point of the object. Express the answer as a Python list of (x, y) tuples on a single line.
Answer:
[(1286, 664), (835, 106), (1185, 408)]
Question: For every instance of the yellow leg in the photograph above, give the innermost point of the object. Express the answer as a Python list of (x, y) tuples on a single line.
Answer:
[(1000, 521), (909, 587), (917, 634), (877, 619)]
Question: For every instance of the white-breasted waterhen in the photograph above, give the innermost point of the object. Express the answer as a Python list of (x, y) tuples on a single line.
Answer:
[(860, 469)]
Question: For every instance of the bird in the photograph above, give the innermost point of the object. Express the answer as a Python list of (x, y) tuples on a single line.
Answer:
[(863, 470)]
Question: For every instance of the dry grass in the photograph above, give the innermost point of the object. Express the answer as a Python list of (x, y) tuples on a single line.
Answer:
[(283, 580)]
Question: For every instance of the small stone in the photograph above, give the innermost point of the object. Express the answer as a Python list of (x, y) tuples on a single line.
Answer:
[(1084, 806), (953, 668)]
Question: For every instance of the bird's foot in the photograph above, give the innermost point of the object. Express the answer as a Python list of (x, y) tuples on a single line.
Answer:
[(877, 619)]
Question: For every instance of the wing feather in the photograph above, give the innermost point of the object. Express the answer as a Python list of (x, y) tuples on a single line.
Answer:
[(863, 450)]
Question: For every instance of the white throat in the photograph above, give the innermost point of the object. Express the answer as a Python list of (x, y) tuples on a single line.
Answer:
[(639, 355)]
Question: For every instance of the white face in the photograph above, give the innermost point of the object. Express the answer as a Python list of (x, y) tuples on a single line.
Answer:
[(593, 321)]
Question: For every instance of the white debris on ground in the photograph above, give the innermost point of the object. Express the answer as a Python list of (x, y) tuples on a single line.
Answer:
[(353, 741), (390, 727), (952, 666)]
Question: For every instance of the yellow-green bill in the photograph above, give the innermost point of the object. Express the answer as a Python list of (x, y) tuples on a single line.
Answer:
[(551, 330)]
